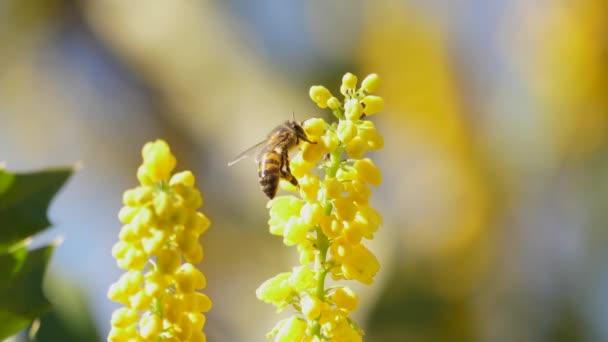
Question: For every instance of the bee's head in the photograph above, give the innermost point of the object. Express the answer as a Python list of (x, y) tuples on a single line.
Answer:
[(297, 127)]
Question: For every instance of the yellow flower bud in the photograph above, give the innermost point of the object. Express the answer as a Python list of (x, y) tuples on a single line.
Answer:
[(168, 260), (309, 186), (276, 289), (330, 141), (356, 148), (185, 177), (353, 109), (368, 171), (124, 317), (140, 301), (360, 264), (372, 104), (128, 234), (306, 252), (312, 213), (346, 131), (370, 83), (302, 278), (293, 329), (150, 326), (333, 103), (173, 307), (126, 214), (116, 293), (349, 81), (358, 191), (197, 319), (295, 231), (320, 95), (368, 132), (345, 299), (345, 209), (199, 223), (333, 188), (331, 228), (314, 127), (189, 278), (311, 153), (311, 307), (353, 232), (153, 243)]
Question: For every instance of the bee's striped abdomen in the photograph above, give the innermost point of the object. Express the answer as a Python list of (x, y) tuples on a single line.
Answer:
[(269, 172)]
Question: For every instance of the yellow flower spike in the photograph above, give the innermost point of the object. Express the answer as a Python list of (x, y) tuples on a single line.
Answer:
[(372, 104), (329, 219), (162, 227), (370, 83), (353, 109), (349, 81), (320, 95), (368, 171)]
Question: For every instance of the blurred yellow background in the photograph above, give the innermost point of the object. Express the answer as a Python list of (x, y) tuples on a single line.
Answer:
[(495, 162)]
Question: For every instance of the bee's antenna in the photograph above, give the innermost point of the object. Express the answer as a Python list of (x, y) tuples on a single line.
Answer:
[(293, 115)]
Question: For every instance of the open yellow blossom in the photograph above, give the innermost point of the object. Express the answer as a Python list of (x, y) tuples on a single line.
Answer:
[(158, 244), (330, 219)]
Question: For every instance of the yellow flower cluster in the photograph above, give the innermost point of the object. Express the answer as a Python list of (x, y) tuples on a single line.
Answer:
[(161, 229), (330, 218)]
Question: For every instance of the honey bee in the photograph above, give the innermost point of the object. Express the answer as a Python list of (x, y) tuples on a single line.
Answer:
[(272, 155)]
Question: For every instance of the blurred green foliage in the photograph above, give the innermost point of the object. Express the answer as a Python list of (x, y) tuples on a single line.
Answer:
[(24, 200)]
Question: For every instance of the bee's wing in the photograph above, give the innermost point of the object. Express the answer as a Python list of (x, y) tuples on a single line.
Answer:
[(248, 152)]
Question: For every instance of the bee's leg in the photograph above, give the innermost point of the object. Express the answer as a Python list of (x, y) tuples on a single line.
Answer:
[(286, 174)]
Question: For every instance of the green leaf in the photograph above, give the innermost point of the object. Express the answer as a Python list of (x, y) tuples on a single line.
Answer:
[(24, 200), (21, 297)]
